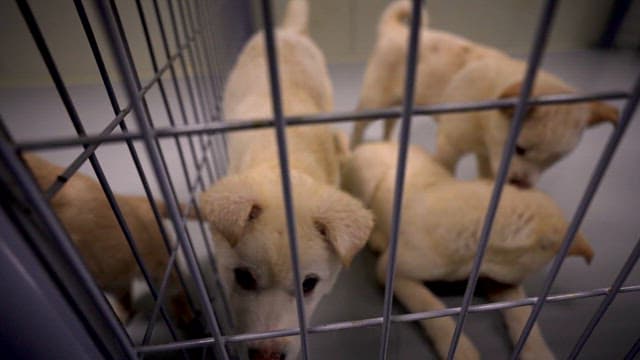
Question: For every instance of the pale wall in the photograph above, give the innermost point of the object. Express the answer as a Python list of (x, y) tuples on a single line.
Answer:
[(344, 29)]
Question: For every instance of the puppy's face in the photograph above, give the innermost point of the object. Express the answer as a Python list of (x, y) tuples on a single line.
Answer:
[(249, 226), (547, 135)]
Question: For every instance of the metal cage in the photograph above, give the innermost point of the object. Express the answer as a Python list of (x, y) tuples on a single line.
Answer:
[(194, 57)]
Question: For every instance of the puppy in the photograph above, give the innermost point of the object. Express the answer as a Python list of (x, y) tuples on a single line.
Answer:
[(87, 217), (440, 228), (246, 208), (454, 69)]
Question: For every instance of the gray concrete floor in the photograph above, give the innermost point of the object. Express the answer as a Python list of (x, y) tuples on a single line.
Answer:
[(611, 224)]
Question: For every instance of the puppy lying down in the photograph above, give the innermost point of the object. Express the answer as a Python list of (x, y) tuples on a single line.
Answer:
[(246, 209), (452, 69), (441, 223), (87, 217)]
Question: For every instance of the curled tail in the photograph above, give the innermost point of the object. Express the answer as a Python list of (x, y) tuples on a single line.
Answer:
[(398, 14), (581, 247), (296, 17)]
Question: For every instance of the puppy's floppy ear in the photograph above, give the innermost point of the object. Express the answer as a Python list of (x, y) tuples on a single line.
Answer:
[(511, 91), (229, 206), (344, 223), (601, 112)]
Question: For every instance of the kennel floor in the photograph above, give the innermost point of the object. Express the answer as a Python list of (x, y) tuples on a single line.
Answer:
[(611, 225)]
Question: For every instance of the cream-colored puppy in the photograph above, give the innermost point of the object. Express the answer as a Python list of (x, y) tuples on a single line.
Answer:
[(454, 69), (441, 223), (87, 217), (246, 209)]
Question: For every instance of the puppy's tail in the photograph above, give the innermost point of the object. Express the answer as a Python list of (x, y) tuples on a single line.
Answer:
[(296, 17), (398, 14), (580, 247)]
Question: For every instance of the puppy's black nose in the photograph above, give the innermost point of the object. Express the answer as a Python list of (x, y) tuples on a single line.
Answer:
[(521, 183), (265, 354)]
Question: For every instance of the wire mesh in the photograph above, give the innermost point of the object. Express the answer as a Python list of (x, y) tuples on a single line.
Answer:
[(190, 58)]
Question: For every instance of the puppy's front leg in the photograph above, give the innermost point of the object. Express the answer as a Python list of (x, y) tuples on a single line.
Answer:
[(388, 128), (417, 298), (515, 318), (447, 153)]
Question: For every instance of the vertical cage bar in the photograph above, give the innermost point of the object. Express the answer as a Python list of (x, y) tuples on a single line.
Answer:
[(162, 290), (58, 235), (190, 257), (204, 61), (97, 55), (190, 89), (407, 108), (211, 57), (606, 302), (592, 187), (219, 296), (199, 76), (145, 107), (542, 33), (635, 349), (174, 80), (185, 171), (208, 15), (78, 126), (280, 125), (189, 85)]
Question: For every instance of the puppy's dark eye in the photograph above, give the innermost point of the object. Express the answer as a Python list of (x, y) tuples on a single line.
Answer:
[(321, 228), (245, 279), (254, 212), (310, 283), (520, 150)]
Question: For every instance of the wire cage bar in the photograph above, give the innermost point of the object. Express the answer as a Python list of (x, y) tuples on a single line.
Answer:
[(409, 88), (188, 67), (276, 100), (592, 187), (160, 168), (535, 57)]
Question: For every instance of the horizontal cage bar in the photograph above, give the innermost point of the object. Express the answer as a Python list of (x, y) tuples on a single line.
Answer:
[(230, 126), (376, 321)]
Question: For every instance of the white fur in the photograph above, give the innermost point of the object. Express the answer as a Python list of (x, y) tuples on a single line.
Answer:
[(441, 223), (246, 210), (453, 69)]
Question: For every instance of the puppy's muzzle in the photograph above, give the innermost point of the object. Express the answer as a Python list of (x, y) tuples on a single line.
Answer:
[(265, 354)]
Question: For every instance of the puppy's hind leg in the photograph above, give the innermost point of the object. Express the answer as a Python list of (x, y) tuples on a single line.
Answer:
[(388, 128), (357, 135), (515, 318), (417, 298)]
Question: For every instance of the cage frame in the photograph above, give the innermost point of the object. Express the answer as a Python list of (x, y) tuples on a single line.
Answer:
[(198, 51)]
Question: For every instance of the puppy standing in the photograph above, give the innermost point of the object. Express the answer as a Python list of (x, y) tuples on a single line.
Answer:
[(441, 223), (246, 210), (454, 69)]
